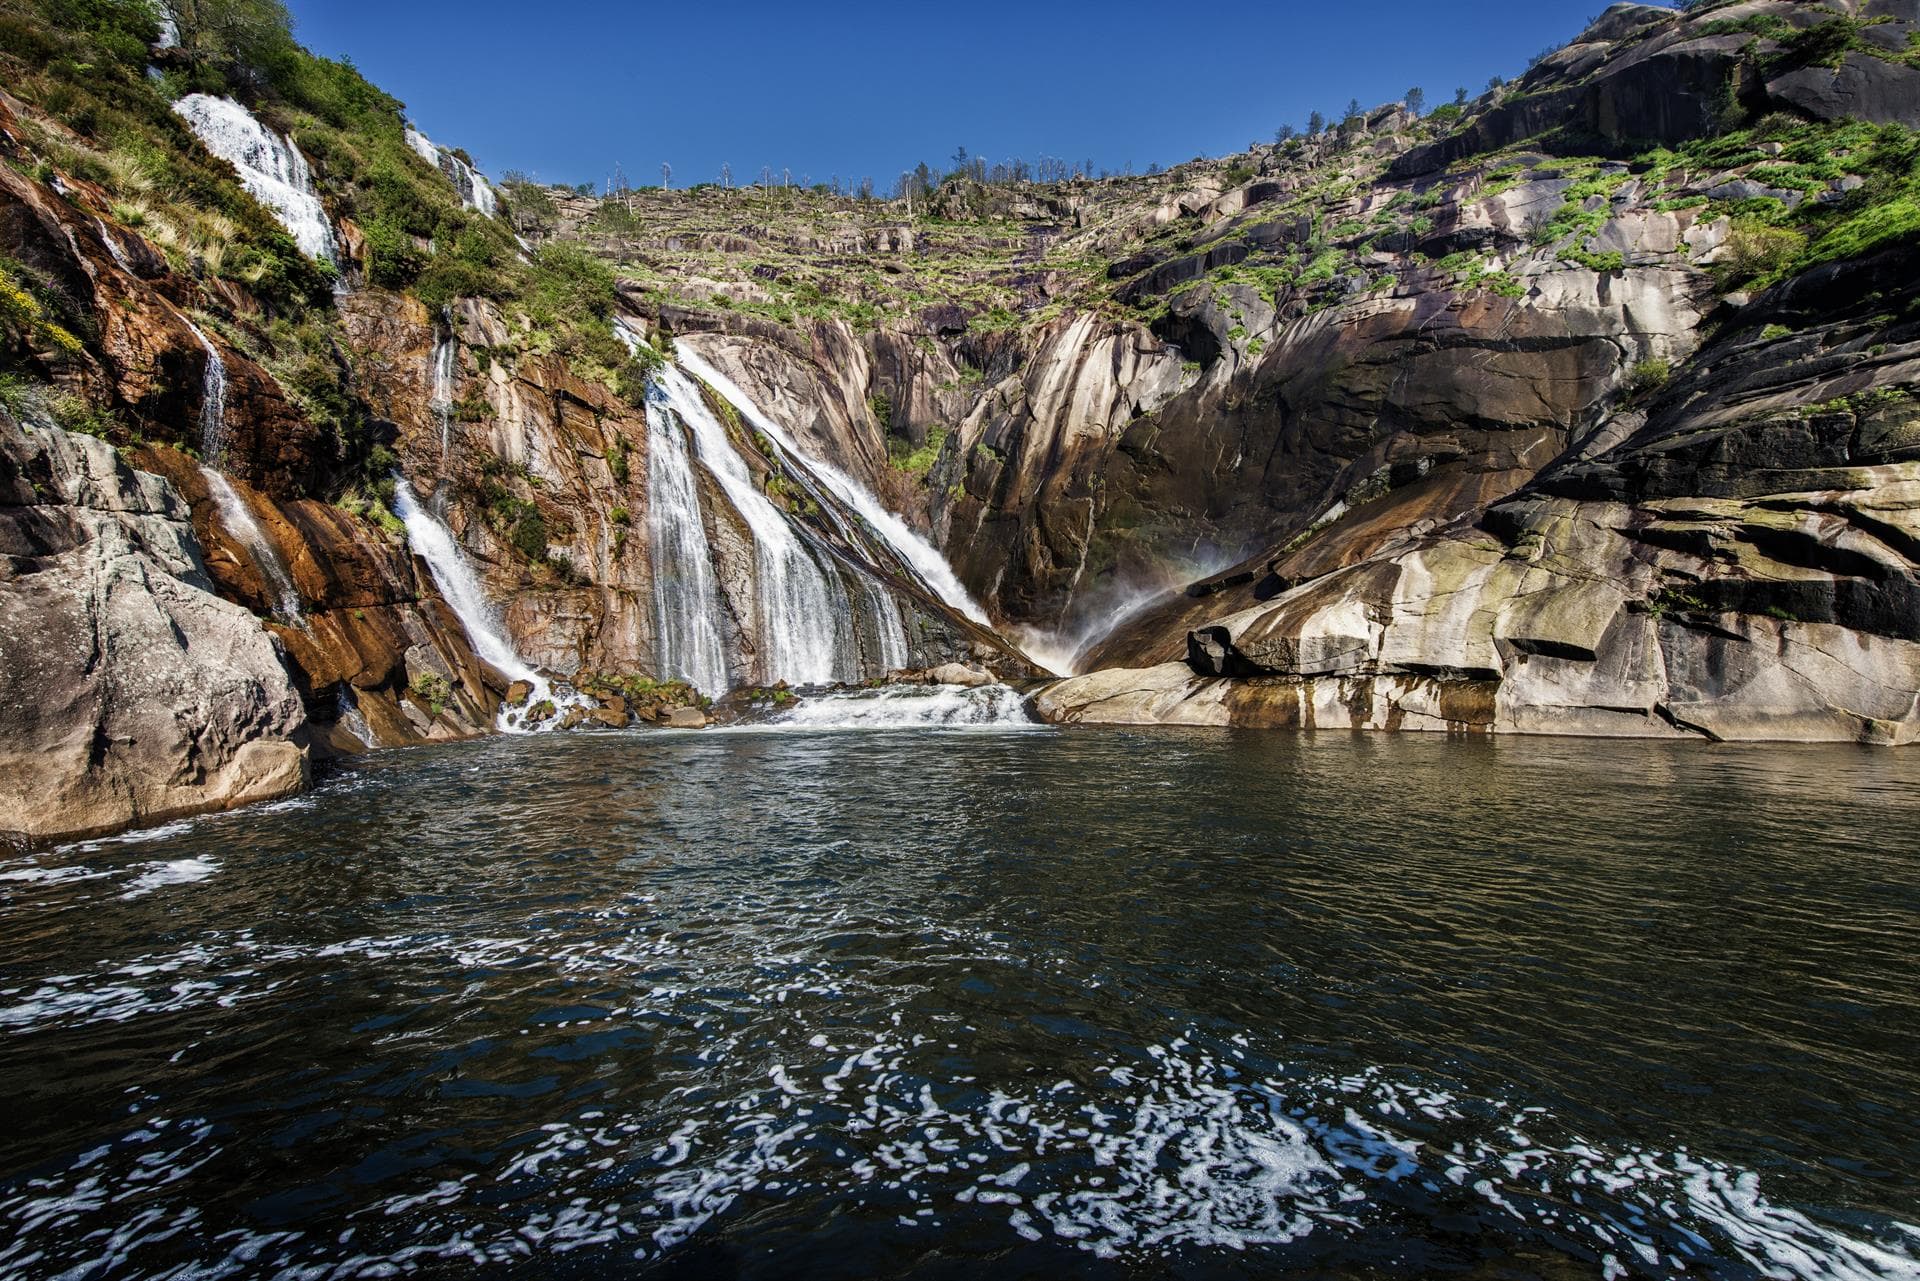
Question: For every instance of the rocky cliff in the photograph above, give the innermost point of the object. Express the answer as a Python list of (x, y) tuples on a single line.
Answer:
[(1583, 406), (1578, 408)]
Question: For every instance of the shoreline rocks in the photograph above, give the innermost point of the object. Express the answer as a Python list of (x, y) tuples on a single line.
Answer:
[(129, 692)]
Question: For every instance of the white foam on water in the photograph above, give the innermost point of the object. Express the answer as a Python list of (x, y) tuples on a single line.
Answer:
[(1189, 1143), (181, 871), (995, 707)]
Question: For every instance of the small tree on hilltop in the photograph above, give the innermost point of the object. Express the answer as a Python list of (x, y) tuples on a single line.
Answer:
[(1284, 134), (1315, 124), (1417, 101)]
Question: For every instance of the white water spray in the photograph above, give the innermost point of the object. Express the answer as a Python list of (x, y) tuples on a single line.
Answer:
[(993, 707), (270, 167), (239, 521)]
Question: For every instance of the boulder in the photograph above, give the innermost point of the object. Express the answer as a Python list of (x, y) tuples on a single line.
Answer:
[(686, 718), (959, 674), (129, 692)]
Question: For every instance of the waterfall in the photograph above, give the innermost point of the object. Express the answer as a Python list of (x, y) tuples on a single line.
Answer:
[(446, 353), (239, 521), (434, 543), (213, 398), (347, 712), (686, 601), (271, 168), (913, 551), (892, 633), (799, 616), (114, 250), (476, 193), (169, 37)]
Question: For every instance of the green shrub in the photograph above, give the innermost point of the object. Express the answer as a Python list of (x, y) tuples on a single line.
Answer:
[(1757, 250), (1649, 375)]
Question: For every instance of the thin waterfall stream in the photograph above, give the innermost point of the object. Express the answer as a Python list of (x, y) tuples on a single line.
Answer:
[(235, 515), (460, 587)]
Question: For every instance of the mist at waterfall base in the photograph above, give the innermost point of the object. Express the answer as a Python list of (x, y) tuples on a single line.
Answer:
[(1040, 1004)]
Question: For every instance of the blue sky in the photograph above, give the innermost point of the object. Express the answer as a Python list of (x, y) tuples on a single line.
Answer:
[(566, 89)]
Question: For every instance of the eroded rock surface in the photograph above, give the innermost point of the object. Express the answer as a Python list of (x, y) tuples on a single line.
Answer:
[(129, 691)]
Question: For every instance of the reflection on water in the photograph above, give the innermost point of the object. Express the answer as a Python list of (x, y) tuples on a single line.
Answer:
[(944, 1004)]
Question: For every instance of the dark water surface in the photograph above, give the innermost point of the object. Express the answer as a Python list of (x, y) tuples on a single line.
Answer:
[(983, 1004)]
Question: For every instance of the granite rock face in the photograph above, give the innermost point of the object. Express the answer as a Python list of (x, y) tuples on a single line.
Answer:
[(1740, 559), (129, 691)]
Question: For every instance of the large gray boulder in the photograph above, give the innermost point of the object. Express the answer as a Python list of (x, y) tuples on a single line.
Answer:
[(129, 692)]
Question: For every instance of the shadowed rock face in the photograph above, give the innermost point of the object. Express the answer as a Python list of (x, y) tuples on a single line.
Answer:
[(129, 692)]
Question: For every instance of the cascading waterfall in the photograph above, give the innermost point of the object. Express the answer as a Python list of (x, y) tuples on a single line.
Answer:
[(446, 352), (913, 551), (891, 632), (686, 600), (213, 398), (820, 616), (169, 37), (434, 543), (239, 521), (476, 193), (271, 168), (799, 625), (234, 512), (347, 712)]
